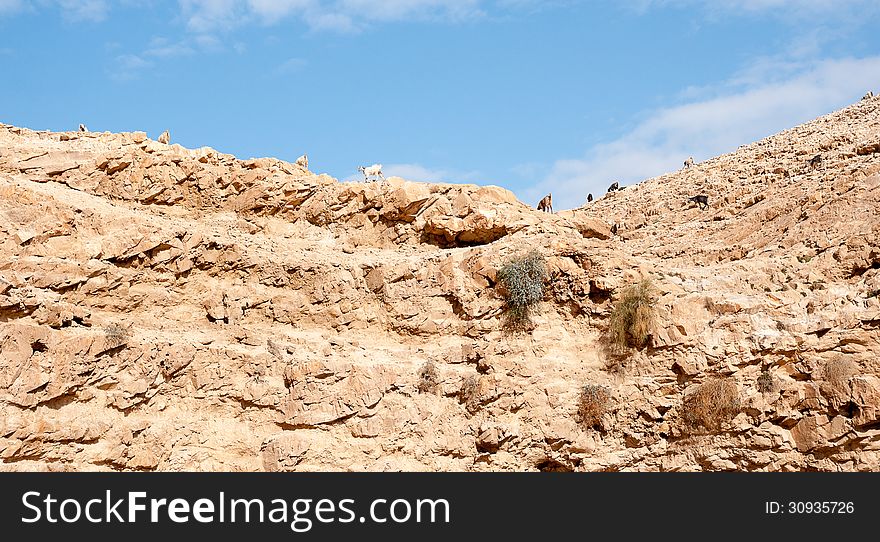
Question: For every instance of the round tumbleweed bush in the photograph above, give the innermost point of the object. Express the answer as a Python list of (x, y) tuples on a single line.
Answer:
[(711, 404), (116, 335), (592, 404)]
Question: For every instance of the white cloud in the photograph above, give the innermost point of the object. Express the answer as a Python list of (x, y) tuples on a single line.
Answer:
[(128, 67), (208, 15), (273, 10), (392, 10), (344, 15), (10, 6), (289, 66), (84, 10), (799, 12), (748, 108), (71, 10), (132, 65), (163, 48), (754, 6), (208, 43)]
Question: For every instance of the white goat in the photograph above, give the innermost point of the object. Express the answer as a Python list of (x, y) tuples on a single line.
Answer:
[(303, 161), (372, 172), (82, 128)]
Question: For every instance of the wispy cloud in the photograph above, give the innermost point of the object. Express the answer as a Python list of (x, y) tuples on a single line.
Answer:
[(163, 48), (71, 10), (784, 8), (10, 6), (131, 66), (289, 66), (210, 15), (339, 15), (128, 67), (746, 109), (84, 10)]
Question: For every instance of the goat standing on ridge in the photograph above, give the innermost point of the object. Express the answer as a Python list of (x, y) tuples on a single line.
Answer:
[(373, 172), (546, 203)]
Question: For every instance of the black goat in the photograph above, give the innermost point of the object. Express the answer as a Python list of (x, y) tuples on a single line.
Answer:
[(701, 200), (614, 187), (589, 198), (816, 161)]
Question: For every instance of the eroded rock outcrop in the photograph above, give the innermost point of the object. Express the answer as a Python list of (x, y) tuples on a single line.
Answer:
[(163, 308)]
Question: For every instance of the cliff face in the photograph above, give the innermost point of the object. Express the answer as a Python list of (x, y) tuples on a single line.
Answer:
[(171, 309)]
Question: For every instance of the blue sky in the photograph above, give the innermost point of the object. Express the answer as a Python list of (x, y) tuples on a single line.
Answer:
[(554, 96)]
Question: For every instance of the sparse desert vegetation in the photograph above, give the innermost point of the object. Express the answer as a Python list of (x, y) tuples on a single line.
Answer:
[(116, 335), (711, 404), (592, 404), (428, 378), (469, 393), (522, 283), (632, 318), (765, 382), (287, 321)]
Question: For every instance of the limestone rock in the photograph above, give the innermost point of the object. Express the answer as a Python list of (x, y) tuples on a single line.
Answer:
[(165, 308)]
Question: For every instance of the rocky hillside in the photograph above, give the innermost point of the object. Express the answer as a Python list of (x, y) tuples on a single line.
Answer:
[(163, 308)]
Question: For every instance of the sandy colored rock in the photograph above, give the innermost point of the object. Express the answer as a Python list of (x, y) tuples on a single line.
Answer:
[(164, 308)]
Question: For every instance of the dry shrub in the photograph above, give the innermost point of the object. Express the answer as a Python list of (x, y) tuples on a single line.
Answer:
[(116, 335), (592, 404), (632, 318), (428, 378), (838, 371), (712, 404), (469, 394), (522, 283), (764, 381)]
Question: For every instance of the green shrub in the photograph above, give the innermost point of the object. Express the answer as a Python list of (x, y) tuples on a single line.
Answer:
[(632, 318), (592, 404), (522, 284), (711, 404)]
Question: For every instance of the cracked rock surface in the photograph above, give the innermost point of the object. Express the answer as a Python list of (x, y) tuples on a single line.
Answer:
[(163, 308)]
